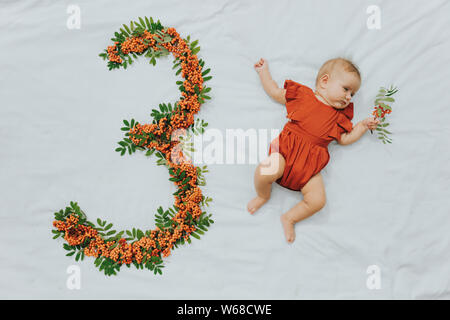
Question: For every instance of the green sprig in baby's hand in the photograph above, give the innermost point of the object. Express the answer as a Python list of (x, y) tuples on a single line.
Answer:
[(383, 98)]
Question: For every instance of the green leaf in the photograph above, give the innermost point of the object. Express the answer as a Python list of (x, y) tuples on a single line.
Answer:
[(186, 180), (149, 26), (176, 65), (195, 51), (126, 28), (206, 72), (119, 235), (193, 44), (142, 22), (195, 235)]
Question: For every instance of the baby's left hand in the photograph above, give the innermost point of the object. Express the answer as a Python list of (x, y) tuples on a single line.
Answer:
[(371, 123), (261, 65)]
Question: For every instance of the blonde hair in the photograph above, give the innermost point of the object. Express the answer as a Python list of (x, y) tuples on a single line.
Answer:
[(333, 64)]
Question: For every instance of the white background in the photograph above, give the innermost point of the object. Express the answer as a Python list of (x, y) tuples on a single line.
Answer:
[(61, 113)]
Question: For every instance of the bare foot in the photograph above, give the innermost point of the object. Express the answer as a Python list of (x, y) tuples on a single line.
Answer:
[(255, 203), (288, 227)]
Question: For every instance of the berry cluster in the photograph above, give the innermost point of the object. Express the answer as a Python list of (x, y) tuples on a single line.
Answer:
[(382, 111), (154, 136)]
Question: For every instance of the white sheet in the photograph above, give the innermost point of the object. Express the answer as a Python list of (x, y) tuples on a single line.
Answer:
[(61, 113)]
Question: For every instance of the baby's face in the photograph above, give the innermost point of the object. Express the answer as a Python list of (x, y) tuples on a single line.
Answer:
[(339, 88)]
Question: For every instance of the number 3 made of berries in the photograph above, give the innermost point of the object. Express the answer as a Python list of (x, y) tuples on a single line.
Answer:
[(113, 249)]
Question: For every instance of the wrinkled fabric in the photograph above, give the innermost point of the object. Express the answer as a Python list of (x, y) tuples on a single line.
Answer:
[(386, 219)]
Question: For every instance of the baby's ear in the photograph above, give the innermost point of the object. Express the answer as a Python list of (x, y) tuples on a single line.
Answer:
[(324, 79)]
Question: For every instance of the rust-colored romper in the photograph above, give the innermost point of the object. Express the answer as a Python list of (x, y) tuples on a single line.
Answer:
[(304, 140)]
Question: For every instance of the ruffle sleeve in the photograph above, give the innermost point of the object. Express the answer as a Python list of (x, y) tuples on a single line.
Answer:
[(343, 122), (294, 95)]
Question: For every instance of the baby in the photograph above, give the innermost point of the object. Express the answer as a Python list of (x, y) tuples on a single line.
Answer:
[(300, 151)]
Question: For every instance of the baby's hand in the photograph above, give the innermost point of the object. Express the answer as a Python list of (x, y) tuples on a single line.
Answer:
[(371, 123), (261, 65)]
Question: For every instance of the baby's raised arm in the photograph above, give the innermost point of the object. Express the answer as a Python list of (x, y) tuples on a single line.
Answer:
[(269, 85)]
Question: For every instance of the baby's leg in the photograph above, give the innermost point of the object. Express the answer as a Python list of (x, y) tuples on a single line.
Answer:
[(313, 200), (267, 172)]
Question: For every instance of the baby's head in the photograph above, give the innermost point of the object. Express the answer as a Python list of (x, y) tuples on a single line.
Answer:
[(337, 82)]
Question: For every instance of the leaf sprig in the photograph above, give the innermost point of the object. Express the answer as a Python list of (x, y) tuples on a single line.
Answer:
[(109, 266), (383, 98)]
